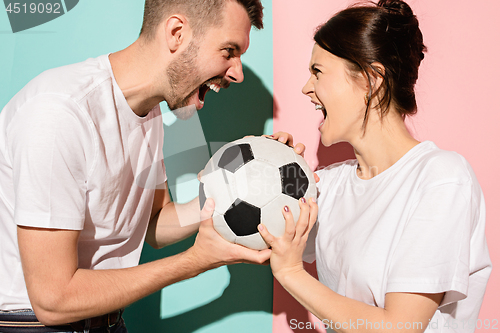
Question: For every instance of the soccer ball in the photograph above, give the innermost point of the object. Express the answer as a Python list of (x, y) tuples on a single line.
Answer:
[(251, 180)]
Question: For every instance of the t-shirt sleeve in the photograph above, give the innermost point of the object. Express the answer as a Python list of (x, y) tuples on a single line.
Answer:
[(49, 160), (432, 255)]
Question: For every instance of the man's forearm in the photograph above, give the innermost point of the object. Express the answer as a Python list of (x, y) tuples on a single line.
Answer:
[(173, 223), (60, 292), (91, 293)]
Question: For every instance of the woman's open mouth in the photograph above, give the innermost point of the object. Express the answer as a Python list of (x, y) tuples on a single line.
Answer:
[(322, 108)]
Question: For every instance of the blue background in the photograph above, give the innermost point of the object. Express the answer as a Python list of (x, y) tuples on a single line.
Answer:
[(237, 298)]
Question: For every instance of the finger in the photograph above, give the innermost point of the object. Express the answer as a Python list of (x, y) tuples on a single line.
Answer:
[(266, 235), (313, 214), (248, 136), (289, 224), (208, 209), (316, 177), (277, 135), (284, 137), (252, 256), (303, 222), (300, 149)]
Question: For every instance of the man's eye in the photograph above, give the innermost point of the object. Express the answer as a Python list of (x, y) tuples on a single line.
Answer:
[(229, 52)]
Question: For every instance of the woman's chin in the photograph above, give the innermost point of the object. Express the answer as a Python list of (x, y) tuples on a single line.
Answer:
[(326, 142)]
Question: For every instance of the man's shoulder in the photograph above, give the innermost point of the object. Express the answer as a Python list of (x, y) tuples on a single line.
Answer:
[(73, 81), (64, 87)]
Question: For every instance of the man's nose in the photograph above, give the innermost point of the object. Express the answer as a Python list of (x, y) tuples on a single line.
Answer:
[(235, 72)]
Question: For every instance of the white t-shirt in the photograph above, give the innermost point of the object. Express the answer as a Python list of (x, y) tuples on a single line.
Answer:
[(73, 155), (416, 227)]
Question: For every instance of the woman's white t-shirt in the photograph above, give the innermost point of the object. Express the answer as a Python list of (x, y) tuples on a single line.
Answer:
[(418, 227)]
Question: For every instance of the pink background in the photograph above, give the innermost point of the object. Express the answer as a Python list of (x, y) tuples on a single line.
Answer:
[(458, 95)]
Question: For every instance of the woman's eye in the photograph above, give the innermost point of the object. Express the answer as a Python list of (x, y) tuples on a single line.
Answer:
[(315, 71)]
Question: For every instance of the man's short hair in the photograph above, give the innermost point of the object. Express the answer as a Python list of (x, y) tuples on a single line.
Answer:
[(200, 13)]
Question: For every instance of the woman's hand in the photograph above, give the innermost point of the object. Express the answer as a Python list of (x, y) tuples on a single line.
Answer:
[(287, 250), (287, 139)]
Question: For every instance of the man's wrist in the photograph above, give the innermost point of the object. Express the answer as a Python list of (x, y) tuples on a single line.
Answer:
[(195, 261)]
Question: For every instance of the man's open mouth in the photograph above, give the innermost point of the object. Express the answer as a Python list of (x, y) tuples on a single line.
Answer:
[(211, 84)]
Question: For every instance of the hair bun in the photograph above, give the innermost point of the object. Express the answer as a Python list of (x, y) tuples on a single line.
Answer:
[(396, 7)]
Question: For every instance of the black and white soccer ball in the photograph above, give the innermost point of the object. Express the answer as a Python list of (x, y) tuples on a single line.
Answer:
[(251, 180)]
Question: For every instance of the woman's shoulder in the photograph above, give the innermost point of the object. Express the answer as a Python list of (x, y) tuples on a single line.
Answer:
[(336, 170), (439, 165), (337, 167)]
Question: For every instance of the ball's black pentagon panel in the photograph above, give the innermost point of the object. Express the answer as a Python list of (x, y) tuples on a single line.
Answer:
[(243, 218), (235, 157), (311, 191), (294, 181)]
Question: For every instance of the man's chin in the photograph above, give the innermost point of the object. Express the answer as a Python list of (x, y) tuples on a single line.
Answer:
[(185, 112)]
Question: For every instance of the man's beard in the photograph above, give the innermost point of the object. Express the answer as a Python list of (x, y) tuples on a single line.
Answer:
[(183, 73)]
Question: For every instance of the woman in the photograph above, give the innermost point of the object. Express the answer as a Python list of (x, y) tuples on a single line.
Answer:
[(400, 239)]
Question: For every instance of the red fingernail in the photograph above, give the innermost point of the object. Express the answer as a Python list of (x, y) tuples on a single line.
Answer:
[(287, 209), (303, 200)]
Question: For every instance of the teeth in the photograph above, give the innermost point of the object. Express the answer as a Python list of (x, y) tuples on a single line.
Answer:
[(213, 86), (319, 107)]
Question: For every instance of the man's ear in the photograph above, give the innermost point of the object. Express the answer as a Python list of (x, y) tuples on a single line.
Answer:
[(177, 32)]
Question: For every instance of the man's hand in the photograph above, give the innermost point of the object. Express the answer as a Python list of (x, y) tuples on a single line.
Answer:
[(210, 250)]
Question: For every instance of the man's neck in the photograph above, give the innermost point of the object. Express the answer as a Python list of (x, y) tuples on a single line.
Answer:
[(132, 69)]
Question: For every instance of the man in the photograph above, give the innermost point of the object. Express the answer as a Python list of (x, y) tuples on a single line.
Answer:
[(80, 160)]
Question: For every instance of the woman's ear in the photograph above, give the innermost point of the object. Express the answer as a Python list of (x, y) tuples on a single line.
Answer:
[(377, 77), (177, 32)]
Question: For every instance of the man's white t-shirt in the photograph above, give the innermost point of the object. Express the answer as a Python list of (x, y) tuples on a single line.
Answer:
[(74, 156), (417, 227)]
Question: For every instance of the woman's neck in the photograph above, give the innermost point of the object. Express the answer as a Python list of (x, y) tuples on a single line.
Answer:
[(382, 144)]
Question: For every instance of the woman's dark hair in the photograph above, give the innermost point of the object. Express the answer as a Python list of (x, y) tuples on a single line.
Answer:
[(387, 33)]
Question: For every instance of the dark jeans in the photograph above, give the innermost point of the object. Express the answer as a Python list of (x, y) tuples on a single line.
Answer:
[(11, 322)]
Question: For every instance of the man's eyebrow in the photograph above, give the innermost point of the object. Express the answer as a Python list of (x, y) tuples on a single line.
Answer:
[(234, 45)]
